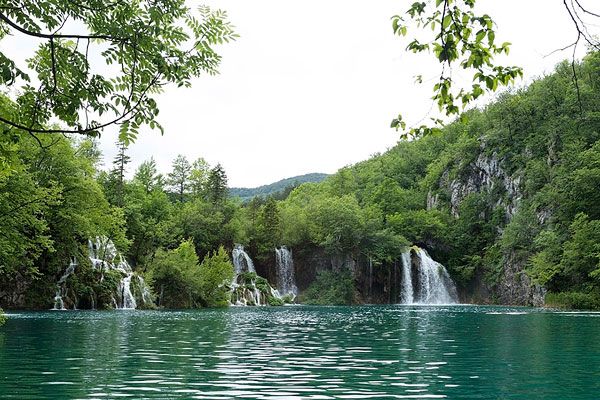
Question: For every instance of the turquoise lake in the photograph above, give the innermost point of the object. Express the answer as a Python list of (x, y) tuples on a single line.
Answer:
[(406, 352)]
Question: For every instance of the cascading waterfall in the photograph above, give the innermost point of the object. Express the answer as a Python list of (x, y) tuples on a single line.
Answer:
[(432, 283), (435, 284), (127, 300), (407, 285), (241, 260), (243, 291), (286, 282), (61, 289), (104, 256)]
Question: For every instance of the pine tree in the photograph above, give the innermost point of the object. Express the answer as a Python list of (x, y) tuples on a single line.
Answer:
[(118, 172), (217, 190)]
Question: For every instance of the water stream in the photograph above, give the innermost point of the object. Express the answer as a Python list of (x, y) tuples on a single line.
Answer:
[(286, 282), (429, 284)]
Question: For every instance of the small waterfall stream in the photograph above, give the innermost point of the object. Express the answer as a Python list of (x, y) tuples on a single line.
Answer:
[(103, 256), (241, 260), (407, 285), (429, 284), (61, 289), (244, 291), (126, 298), (286, 282)]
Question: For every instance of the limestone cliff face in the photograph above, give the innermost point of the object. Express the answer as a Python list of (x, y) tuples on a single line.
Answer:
[(309, 261), (489, 174), (485, 174)]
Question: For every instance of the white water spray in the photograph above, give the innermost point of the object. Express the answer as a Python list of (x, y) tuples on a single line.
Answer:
[(286, 282), (407, 285), (61, 289), (104, 256), (432, 283)]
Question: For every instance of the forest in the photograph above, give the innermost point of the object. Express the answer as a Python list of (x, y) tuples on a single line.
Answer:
[(506, 197)]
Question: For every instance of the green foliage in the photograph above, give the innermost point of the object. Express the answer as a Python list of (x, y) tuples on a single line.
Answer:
[(331, 288), (50, 203), (147, 176), (574, 300), (581, 255), (267, 233), (2, 317), (216, 272), (199, 177), (179, 177), (420, 226), (180, 282), (147, 217), (150, 45), (279, 189), (459, 37), (216, 185), (174, 277)]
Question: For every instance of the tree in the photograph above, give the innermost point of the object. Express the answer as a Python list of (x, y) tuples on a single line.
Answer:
[(217, 190), (199, 177), (467, 39), (174, 276), (147, 175), (268, 227), (119, 169), (148, 43), (179, 177), (216, 271)]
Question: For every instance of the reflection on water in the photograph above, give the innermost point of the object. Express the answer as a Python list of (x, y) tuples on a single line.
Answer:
[(303, 352)]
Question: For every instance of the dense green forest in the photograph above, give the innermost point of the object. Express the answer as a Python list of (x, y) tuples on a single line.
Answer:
[(506, 197), (279, 189)]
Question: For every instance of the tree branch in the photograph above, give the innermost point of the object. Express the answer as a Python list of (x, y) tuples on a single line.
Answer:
[(56, 35), (86, 129)]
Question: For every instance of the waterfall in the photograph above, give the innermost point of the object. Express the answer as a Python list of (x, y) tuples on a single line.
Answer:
[(61, 289), (247, 288), (245, 292), (146, 295), (370, 279), (286, 282), (407, 285), (127, 299), (104, 256), (241, 260), (431, 284)]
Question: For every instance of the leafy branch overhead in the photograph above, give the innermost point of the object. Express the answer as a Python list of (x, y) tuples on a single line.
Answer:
[(144, 44), (460, 37)]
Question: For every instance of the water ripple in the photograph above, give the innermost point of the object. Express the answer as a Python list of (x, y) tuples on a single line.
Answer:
[(418, 352)]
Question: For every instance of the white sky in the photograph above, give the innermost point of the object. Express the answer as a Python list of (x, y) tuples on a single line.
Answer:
[(312, 85)]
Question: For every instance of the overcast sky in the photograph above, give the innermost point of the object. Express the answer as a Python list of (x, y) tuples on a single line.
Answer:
[(312, 85)]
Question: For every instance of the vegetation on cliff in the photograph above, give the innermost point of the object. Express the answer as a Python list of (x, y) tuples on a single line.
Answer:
[(507, 198)]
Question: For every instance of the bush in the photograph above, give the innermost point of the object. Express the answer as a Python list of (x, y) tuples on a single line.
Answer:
[(574, 300), (216, 271), (330, 288), (2, 317), (174, 276)]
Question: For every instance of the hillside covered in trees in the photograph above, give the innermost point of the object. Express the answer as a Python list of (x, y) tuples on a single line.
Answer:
[(506, 198), (279, 189)]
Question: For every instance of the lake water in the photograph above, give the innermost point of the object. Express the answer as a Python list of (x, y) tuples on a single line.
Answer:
[(455, 352)]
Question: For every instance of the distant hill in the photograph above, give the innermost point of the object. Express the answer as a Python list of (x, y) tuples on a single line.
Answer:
[(276, 189)]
